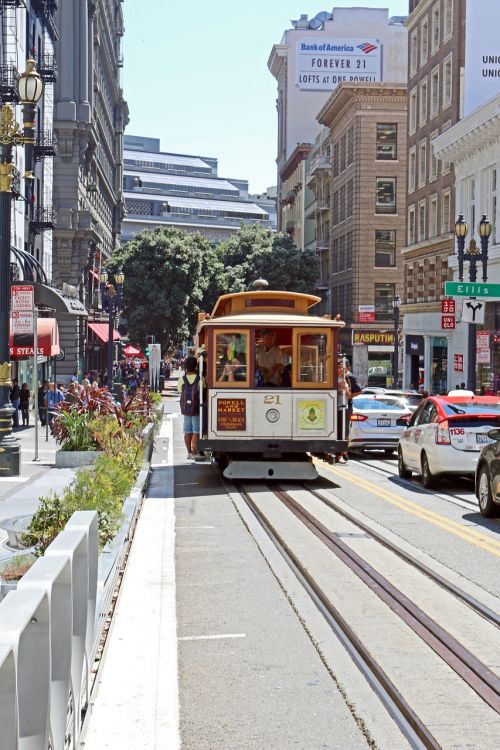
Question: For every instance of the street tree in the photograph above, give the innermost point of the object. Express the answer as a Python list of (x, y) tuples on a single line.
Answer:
[(257, 252), (169, 277)]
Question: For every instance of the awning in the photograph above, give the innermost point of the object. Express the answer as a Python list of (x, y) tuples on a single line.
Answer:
[(21, 344), (101, 331), (47, 296), (131, 351)]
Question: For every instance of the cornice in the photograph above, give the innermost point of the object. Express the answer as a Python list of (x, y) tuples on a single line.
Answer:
[(429, 247), (476, 131), (300, 152), (347, 94), (419, 11), (279, 53)]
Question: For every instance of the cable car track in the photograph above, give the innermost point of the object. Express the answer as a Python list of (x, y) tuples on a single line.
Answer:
[(475, 673)]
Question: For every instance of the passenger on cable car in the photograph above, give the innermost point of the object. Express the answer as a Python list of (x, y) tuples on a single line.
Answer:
[(234, 370), (269, 358)]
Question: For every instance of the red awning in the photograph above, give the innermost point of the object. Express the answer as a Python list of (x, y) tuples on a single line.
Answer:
[(21, 345), (131, 351), (101, 331)]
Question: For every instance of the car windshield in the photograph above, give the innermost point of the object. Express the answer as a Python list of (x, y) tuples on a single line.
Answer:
[(381, 403), (472, 407), (412, 398)]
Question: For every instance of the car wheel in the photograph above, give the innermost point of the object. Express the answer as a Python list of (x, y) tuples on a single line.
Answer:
[(403, 472), (428, 480), (486, 505)]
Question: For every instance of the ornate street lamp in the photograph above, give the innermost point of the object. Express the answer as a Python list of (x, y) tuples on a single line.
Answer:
[(396, 304), (30, 89), (473, 256), (112, 303)]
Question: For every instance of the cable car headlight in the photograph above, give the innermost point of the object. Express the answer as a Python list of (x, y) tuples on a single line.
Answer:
[(272, 415)]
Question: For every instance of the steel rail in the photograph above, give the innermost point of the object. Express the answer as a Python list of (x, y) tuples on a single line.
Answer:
[(475, 604), (476, 674), (411, 726)]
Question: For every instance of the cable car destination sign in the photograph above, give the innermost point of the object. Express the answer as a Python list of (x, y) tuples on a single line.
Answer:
[(321, 64)]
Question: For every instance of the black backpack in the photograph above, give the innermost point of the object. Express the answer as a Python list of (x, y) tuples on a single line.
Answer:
[(190, 397)]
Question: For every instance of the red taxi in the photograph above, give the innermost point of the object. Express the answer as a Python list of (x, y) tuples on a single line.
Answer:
[(445, 435)]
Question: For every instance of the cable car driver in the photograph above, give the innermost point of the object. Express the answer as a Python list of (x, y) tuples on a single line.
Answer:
[(269, 358)]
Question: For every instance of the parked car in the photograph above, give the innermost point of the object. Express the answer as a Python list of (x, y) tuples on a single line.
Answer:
[(488, 476), (377, 421), (412, 398), (445, 435)]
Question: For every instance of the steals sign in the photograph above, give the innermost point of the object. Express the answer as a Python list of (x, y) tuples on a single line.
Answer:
[(321, 64), (231, 414)]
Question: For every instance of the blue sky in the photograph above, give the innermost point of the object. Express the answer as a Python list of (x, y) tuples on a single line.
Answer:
[(195, 76)]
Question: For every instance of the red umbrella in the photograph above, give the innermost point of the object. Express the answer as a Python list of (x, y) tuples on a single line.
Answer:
[(131, 351)]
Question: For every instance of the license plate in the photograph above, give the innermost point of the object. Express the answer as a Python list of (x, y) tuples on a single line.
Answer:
[(480, 438), (383, 422)]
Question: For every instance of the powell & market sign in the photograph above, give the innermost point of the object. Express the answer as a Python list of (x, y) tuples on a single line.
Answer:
[(373, 338)]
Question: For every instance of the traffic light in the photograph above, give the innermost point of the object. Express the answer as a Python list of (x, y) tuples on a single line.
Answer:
[(150, 340), (146, 352)]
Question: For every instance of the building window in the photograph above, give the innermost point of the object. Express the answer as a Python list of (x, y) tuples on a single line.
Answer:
[(421, 221), (412, 114), (446, 164), (349, 199), (385, 248), (445, 211), (335, 207), (412, 169), (350, 146), (469, 192), (424, 41), (342, 153), (411, 225), (383, 296), (422, 163), (433, 162), (435, 32), (386, 195), (447, 19), (413, 52), (447, 80), (433, 215), (435, 91), (490, 193), (335, 160), (423, 101), (387, 140)]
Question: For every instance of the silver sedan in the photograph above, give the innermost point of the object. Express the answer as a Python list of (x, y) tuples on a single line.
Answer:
[(377, 422)]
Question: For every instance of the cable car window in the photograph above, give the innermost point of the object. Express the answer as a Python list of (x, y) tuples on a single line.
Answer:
[(313, 353), (231, 357)]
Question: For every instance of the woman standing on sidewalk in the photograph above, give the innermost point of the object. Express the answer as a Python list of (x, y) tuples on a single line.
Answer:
[(24, 404)]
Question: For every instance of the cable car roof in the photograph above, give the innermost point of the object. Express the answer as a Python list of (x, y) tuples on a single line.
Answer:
[(275, 320), (285, 303)]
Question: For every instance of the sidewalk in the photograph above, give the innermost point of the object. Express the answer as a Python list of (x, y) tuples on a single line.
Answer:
[(19, 495)]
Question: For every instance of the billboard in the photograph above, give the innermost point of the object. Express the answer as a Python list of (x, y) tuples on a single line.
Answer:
[(482, 54), (321, 64)]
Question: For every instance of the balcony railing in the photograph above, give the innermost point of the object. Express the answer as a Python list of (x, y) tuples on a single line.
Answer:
[(47, 67), (9, 76), (45, 145), (42, 219), (45, 10)]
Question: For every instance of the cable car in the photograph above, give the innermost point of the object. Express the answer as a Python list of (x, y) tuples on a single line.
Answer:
[(270, 369)]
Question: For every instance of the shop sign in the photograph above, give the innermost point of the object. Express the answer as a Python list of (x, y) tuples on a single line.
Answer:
[(473, 311), (311, 414), (447, 322), (324, 62), (469, 289), (366, 313), (231, 414), (458, 362), (415, 345), (448, 307), (373, 338)]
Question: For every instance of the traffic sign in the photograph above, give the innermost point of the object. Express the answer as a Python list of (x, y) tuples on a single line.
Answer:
[(470, 289), (473, 311)]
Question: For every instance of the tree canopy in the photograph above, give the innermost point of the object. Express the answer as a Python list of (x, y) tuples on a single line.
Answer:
[(172, 275)]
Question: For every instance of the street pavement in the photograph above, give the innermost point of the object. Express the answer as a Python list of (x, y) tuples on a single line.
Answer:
[(20, 495)]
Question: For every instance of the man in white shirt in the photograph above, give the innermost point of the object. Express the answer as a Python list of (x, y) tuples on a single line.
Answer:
[(269, 358)]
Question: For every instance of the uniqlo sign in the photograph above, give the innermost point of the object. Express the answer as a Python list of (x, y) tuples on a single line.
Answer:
[(458, 362), (448, 307), (447, 322)]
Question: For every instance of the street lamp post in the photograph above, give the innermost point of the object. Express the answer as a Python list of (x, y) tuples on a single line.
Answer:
[(112, 303), (30, 88), (396, 303), (473, 256)]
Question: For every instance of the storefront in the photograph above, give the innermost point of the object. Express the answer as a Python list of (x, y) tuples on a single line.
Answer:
[(427, 363), (372, 357), (488, 351)]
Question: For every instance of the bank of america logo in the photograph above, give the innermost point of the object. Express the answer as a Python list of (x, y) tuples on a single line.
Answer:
[(366, 47)]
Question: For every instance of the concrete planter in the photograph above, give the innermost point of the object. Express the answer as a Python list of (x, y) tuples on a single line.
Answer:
[(75, 459)]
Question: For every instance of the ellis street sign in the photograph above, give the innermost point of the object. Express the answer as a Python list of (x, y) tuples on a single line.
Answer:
[(470, 289)]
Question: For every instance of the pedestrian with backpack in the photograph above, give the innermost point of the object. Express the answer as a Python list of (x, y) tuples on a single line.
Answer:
[(189, 387)]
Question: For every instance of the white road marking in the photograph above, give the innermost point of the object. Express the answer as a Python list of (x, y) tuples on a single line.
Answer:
[(211, 637), (194, 527)]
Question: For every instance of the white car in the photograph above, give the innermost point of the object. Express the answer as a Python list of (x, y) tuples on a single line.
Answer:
[(445, 435), (377, 421)]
